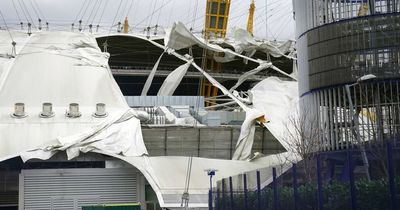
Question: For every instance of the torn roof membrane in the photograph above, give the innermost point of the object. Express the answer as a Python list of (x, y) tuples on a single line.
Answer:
[(63, 68), (179, 37), (58, 68)]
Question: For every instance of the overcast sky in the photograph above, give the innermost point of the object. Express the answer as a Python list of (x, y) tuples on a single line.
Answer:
[(142, 13)]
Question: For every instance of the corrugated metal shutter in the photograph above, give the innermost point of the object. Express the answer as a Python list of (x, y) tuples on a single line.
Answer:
[(9, 198), (9, 188), (73, 188)]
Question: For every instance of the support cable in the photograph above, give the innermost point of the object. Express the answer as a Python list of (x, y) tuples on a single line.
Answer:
[(101, 16), (83, 14), (97, 11), (130, 7), (194, 14), (19, 18), (129, 10), (151, 18), (147, 17), (189, 11), (91, 14), (124, 7), (27, 12), (185, 195), (13, 43), (158, 19), (86, 8), (23, 12), (79, 12), (170, 13), (34, 9), (39, 10), (115, 16)]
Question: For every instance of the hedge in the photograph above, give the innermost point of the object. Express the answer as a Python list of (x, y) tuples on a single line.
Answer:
[(372, 195)]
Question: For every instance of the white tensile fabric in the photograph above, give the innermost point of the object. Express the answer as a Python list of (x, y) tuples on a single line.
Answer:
[(250, 73), (173, 39), (278, 101), (246, 137), (179, 37), (173, 80), (62, 68), (170, 186), (243, 41), (113, 135), (149, 80)]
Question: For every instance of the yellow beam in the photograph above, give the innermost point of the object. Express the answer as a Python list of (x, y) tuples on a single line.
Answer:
[(126, 25), (250, 19)]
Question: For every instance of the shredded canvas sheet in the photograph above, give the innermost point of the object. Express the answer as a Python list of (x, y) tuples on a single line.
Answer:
[(50, 63)]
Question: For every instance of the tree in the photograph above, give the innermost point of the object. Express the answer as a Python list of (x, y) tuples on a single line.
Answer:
[(303, 137)]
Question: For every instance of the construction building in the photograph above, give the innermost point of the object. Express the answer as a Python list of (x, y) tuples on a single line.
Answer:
[(348, 58)]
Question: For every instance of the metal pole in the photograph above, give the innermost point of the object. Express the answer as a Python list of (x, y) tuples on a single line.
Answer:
[(275, 188), (357, 135), (223, 194), (210, 200), (295, 193), (319, 183), (246, 203), (391, 175), (231, 193), (258, 191), (351, 177), (371, 6), (218, 200)]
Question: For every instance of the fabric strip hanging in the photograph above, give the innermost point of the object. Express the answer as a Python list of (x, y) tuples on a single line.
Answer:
[(173, 80), (151, 76), (250, 73)]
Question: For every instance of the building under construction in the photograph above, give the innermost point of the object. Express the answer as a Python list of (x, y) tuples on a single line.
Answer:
[(119, 117)]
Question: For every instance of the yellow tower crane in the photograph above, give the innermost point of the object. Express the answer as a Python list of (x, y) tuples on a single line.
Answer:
[(250, 20), (216, 21)]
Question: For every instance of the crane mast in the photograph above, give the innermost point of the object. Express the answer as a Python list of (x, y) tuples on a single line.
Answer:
[(250, 19), (216, 21)]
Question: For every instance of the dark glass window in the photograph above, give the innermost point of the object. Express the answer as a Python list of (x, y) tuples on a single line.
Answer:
[(214, 8), (222, 8), (342, 52)]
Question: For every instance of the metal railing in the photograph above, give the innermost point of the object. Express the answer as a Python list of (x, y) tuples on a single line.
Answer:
[(328, 181)]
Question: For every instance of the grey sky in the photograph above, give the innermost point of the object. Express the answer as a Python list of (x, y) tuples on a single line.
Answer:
[(61, 13)]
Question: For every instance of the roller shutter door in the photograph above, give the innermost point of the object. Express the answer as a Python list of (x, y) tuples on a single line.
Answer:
[(67, 189)]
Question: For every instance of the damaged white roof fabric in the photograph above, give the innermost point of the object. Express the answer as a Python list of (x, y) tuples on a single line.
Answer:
[(63, 68), (278, 100)]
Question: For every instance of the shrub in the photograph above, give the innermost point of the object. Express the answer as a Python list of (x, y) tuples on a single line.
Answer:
[(372, 195)]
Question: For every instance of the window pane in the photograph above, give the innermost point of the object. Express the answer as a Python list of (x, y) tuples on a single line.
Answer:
[(214, 8), (220, 22), (222, 7), (213, 22)]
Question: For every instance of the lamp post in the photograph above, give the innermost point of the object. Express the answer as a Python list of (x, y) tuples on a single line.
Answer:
[(355, 122), (211, 173)]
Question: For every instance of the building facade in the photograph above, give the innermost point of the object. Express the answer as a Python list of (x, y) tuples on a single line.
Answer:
[(349, 59)]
